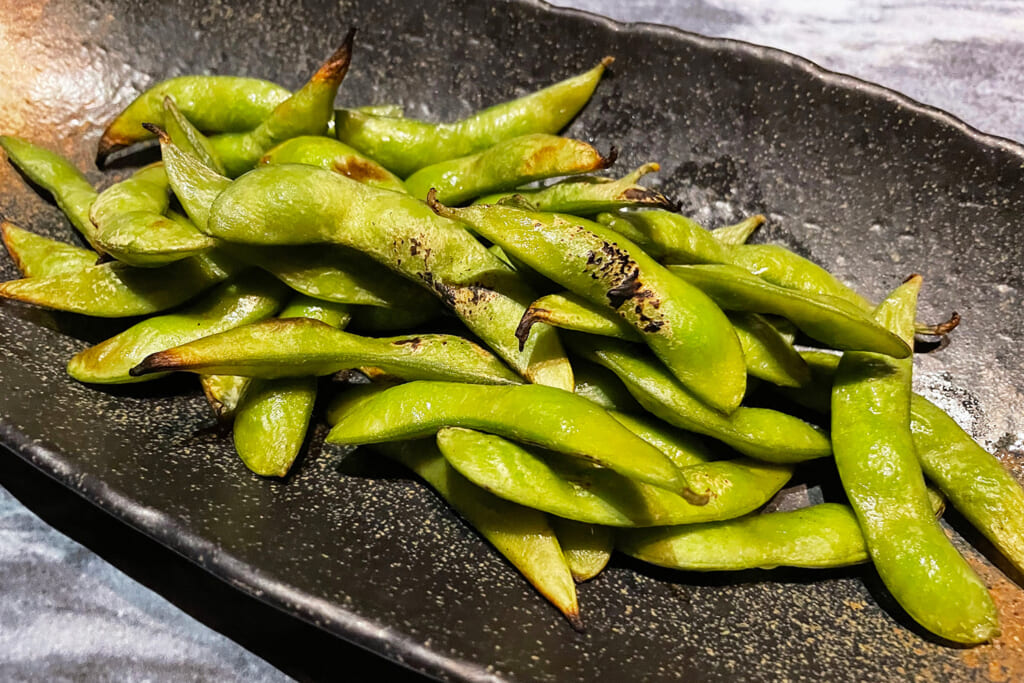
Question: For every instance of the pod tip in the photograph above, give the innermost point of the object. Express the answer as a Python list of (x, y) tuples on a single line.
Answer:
[(157, 131), (573, 615), (607, 61), (154, 362)]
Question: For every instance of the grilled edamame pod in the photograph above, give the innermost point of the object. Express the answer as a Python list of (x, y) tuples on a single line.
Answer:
[(405, 145), (584, 493), (307, 112), (273, 415), (249, 297), (58, 176), (505, 166), (302, 348), (874, 453), (117, 290), (589, 195), (38, 256), (540, 415), (755, 432), (332, 155), (683, 327), (215, 104), (975, 481), (131, 225), (295, 204), (829, 320), (766, 353), (522, 535)]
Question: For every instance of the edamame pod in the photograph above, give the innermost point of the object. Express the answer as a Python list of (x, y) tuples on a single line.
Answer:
[(755, 432), (249, 297), (818, 537), (683, 448), (589, 195), (332, 155), (587, 547), (187, 137), (273, 415), (131, 226), (117, 290), (874, 452), (299, 348), (38, 256), (223, 393), (522, 535), (584, 493), (307, 112), (974, 480), (766, 353), (544, 416), (505, 166), (829, 320), (214, 104), (295, 204), (683, 327), (675, 239), (405, 145), (58, 176)]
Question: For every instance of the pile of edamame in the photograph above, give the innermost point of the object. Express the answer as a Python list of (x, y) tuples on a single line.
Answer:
[(595, 395)]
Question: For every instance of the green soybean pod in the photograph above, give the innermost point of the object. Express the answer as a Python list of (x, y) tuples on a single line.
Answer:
[(332, 155), (404, 145), (307, 112), (826, 318), (505, 166), (38, 256), (249, 297), (767, 354), (58, 176), (273, 414), (579, 491), (214, 104), (974, 480), (684, 328), (189, 138), (131, 225), (739, 233), (545, 416), (300, 348), (683, 448), (759, 433), (522, 535), (600, 386), (587, 547), (117, 290), (818, 537), (291, 204), (589, 195), (877, 463)]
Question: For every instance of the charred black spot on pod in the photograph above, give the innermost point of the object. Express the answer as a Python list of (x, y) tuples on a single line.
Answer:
[(625, 290), (415, 342), (358, 169)]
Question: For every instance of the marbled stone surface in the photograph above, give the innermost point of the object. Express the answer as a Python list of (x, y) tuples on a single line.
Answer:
[(84, 598)]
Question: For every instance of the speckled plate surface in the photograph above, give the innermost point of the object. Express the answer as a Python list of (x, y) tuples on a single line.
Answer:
[(870, 184)]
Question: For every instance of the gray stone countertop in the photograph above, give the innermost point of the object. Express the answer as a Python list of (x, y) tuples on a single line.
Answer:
[(83, 597)]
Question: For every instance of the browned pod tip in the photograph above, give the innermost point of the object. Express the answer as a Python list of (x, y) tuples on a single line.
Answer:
[(161, 361), (157, 131), (573, 615), (531, 317), (334, 69), (7, 230)]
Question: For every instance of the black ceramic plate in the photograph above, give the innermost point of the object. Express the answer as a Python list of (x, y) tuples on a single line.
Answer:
[(868, 183)]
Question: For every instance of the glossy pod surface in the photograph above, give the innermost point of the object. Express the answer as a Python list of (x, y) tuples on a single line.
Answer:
[(684, 328), (545, 416), (759, 433), (522, 535), (214, 104), (874, 452), (250, 297), (300, 347), (316, 206), (504, 166), (575, 490), (404, 145)]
